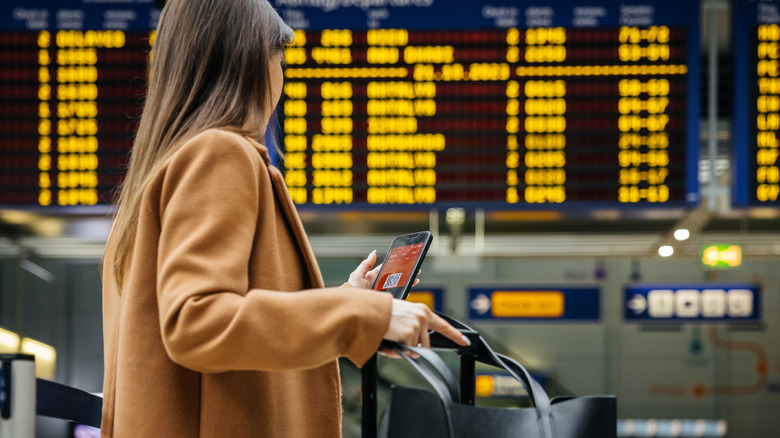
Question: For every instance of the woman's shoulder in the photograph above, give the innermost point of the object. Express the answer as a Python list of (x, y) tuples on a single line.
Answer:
[(219, 144), (216, 148), (212, 153)]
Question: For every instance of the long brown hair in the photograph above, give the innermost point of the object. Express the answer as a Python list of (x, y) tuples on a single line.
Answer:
[(210, 70)]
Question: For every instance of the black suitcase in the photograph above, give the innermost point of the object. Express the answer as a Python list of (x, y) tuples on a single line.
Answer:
[(450, 411), (468, 358)]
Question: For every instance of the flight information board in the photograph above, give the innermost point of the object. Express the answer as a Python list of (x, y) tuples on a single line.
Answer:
[(387, 103), (73, 76), (503, 104), (756, 172)]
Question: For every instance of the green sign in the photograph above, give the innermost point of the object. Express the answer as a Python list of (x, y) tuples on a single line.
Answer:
[(721, 256)]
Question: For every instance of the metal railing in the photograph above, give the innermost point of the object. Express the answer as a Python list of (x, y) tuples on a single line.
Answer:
[(22, 397)]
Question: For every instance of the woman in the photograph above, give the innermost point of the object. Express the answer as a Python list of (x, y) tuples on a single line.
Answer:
[(203, 335)]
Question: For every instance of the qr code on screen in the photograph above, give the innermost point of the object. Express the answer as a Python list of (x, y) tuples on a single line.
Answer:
[(392, 280)]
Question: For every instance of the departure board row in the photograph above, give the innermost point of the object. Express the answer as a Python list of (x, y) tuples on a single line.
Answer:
[(386, 104), (757, 101)]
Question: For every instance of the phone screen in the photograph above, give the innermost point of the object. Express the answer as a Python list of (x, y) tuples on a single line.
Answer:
[(398, 266), (401, 264)]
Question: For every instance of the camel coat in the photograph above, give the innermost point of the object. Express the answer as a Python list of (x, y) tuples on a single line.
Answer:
[(222, 327)]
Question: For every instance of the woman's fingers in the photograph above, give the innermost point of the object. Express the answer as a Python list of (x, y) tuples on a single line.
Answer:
[(406, 320), (359, 277), (410, 322), (372, 274), (389, 352), (366, 264), (417, 280), (443, 327), (425, 339)]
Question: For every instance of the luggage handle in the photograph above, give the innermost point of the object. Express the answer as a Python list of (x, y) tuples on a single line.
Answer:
[(443, 388), (487, 356), (445, 384), (482, 352)]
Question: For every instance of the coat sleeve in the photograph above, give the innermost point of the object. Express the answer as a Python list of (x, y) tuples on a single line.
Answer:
[(209, 320)]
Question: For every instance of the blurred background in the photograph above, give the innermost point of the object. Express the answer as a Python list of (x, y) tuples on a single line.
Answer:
[(601, 181)]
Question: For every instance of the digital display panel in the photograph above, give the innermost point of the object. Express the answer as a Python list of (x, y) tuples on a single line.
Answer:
[(73, 77), (387, 103), (501, 104), (757, 102)]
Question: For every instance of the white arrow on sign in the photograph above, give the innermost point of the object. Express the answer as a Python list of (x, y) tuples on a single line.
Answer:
[(481, 303), (638, 304)]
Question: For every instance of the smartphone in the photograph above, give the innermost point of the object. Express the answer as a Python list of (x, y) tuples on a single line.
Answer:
[(402, 262)]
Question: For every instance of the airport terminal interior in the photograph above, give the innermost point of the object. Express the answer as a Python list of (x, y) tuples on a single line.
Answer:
[(600, 179)]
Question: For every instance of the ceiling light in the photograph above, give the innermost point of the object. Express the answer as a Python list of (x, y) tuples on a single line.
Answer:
[(45, 357), (682, 234), (455, 216), (9, 342), (666, 251)]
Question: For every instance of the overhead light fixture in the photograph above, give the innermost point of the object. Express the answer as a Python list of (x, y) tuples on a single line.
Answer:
[(682, 234), (9, 341), (455, 216), (45, 357), (666, 251)]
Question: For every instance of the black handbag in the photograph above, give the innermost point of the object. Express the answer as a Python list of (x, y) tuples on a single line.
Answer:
[(412, 413)]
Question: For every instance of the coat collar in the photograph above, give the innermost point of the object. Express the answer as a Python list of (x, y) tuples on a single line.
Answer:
[(262, 150), (293, 219)]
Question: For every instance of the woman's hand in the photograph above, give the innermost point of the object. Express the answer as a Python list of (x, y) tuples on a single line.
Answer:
[(363, 277), (410, 322)]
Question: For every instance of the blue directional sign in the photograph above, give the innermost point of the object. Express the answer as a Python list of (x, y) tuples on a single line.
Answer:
[(692, 303), (535, 304)]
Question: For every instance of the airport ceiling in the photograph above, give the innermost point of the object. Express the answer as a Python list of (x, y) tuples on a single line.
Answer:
[(578, 233)]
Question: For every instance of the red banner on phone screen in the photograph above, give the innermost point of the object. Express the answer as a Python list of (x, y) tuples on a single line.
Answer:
[(397, 268)]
